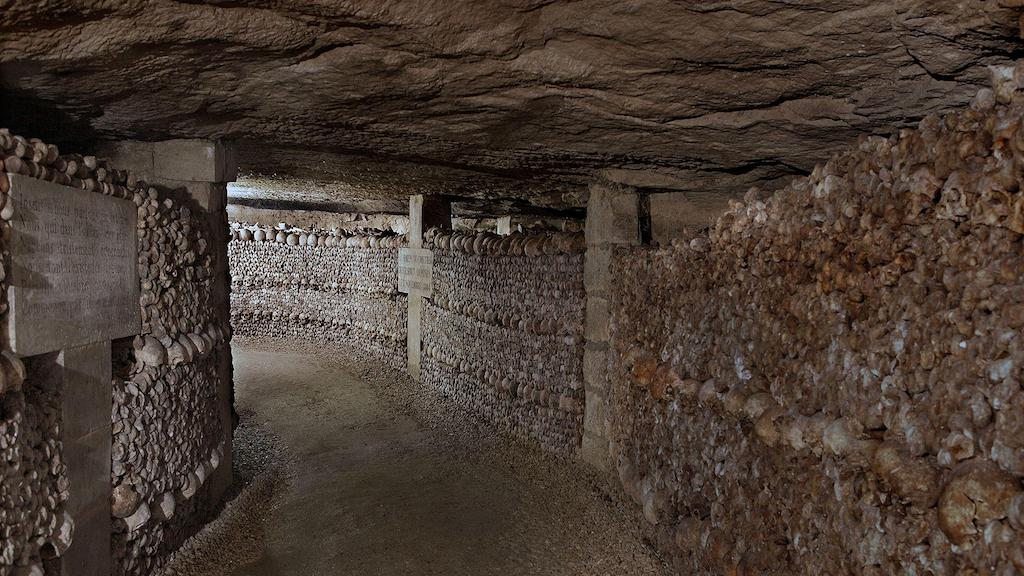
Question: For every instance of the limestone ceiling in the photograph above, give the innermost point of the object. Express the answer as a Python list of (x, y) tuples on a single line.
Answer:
[(362, 102)]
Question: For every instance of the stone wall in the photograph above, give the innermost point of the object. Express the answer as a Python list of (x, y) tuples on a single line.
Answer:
[(320, 288), (503, 332), (830, 381), (168, 429)]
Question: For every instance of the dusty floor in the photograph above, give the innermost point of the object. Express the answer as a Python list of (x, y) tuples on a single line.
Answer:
[(345, 470)]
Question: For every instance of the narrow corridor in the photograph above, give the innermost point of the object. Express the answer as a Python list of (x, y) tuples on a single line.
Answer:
[(379, 485)]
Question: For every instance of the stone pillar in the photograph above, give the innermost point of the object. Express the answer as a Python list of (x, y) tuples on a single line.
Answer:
[(202, 168), (612, 220), (425, 212), (87, 438)]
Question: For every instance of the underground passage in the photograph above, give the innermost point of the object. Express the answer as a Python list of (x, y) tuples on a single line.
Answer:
[(527, 287)]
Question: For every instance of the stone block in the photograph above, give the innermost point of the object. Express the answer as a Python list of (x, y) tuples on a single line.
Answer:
[(90, 553), (598, 327), (73, 269), (131, 155), (596, 265), (210, 196), (595, 419), (194, 161), (595, 369), (88, 464), (87, 390), (613, 216), (677, 215), (594, 451)]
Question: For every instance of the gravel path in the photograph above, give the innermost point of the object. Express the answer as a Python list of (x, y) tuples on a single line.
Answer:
[(344, 469)]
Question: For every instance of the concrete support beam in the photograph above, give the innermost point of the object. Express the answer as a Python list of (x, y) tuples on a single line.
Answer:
[(425, 212), (613, 219)]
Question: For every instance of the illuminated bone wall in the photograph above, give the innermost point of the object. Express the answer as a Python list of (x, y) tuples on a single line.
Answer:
[(829, 381), (320, 288), (503, 333)]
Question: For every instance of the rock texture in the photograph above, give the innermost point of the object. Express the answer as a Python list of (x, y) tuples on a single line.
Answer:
[(839, 366), (513, 99)]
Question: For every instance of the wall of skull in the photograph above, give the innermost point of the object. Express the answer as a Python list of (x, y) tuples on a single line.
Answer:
[(320, 287), (829, 381), (168, 386), (503, 332)]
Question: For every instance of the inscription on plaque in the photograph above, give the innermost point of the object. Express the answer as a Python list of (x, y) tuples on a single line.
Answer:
[(73, 277), (415, 271)]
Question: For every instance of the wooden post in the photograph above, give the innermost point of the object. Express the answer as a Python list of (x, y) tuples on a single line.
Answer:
[(425, 212)]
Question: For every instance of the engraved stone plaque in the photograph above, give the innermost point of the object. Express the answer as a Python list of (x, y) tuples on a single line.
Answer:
[(415, 271), (73, 277)]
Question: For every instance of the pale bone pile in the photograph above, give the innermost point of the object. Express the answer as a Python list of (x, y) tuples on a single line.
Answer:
[(503, 333), (167, 432), (330, 289), (830, 381), (334, 238)]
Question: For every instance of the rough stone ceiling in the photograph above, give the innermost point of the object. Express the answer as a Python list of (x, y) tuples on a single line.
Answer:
[(349, 102)]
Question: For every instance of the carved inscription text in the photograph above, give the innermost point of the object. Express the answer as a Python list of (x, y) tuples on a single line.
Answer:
[(415, 271), (73, 276)]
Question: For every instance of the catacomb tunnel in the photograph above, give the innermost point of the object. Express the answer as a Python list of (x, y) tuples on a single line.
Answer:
[(533, 287)]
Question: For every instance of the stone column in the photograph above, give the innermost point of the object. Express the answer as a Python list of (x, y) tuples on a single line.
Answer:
[(87, 438), (202, 168), (425, 212), (612, 220)]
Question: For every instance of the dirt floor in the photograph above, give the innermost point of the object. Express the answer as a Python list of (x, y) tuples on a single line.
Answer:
[(344, 469)]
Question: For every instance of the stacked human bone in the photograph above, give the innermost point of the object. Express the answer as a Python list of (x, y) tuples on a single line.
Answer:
[(167, 429), (830, 381), (503, 332), (314, 238), (165, 405), (33, 480), (34, 486), (34, 158), (319, 286)]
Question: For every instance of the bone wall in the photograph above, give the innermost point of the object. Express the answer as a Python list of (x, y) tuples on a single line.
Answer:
[(168, 438), (503, 332), (168, 433), (34, 481), (319, 287), (830, 380)]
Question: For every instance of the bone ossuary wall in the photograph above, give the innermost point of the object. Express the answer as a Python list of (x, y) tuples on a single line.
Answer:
[(825, 378), (838, 365), (169, 438)]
